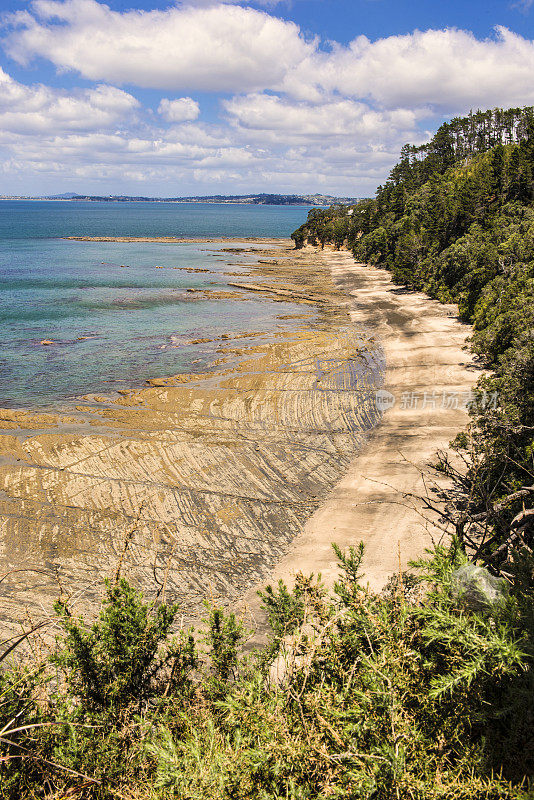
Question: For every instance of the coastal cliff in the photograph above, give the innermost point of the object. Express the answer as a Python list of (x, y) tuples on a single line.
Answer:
[(455, 220)]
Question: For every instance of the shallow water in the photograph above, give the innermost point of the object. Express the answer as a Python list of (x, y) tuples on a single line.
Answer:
[(114, 318)]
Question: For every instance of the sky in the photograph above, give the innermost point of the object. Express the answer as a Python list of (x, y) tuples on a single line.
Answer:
[(143, 97)]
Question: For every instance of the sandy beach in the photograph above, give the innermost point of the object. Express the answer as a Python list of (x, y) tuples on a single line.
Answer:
[(430, 375), (210, 485)]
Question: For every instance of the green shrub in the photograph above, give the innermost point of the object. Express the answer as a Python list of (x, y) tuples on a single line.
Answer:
[(401, 694)]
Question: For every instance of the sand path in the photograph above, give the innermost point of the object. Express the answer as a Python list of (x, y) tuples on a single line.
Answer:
[(424, 345)]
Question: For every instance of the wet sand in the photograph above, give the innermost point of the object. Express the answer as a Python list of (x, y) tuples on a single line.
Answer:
[(424, 347), (196, 485)]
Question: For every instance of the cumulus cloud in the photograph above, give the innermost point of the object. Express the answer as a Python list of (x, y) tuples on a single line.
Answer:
[(266, 114), (120, 158), (217, 48), (185, 109), (446, 69), (27, 109), (301, 114), (227, 47), (193, 157), (167, 164)]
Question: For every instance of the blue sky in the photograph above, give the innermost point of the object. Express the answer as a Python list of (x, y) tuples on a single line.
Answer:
[(204, 96)]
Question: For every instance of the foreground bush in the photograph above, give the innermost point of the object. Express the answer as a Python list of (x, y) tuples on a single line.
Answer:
[(406, 694)]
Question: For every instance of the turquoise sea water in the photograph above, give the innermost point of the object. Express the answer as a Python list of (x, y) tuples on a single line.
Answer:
[(136, 318)]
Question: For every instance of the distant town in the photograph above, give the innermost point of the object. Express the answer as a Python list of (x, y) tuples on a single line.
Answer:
[(251, 199)]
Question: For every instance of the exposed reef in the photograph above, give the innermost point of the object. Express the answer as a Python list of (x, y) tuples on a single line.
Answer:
[(198, 482), (177, 239)]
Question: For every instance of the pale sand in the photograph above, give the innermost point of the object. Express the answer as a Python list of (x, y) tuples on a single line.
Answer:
[(424, 344)]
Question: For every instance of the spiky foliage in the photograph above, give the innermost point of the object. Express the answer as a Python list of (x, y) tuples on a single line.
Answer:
[(404, 694), (383, 698)]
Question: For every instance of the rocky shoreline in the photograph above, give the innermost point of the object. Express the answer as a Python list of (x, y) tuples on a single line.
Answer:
[(180, 239), (195, 485)]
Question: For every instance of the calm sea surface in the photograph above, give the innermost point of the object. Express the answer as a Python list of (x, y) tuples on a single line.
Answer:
[(136, 318)]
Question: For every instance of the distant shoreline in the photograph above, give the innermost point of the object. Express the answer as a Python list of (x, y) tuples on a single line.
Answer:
[(306, 201), (154, 200)]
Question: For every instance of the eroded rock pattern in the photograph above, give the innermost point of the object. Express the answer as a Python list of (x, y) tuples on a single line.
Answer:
[(198, 483)]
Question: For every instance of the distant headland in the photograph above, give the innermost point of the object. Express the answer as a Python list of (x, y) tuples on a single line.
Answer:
[(249, 199)]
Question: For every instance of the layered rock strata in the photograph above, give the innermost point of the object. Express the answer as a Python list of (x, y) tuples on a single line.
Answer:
[(194, 488)]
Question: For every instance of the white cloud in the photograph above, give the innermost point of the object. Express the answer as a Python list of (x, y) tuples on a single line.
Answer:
[(523, 5), (448, 70), (226, 47), (299, 116), (266, 114), (217, 48), (189, 158), (166, 164), (39, 109), (185, 109)]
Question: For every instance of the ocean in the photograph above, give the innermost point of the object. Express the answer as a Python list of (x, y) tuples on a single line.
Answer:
[(120, 313)]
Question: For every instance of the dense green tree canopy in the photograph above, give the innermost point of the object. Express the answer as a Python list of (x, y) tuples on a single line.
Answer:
[(456, 220)]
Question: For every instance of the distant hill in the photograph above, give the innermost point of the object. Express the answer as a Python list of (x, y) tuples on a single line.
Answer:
[(251, 199), (64, 196)]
